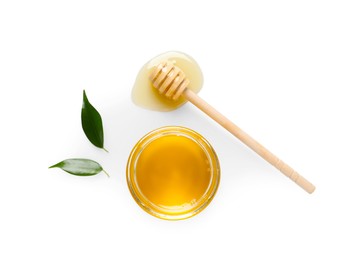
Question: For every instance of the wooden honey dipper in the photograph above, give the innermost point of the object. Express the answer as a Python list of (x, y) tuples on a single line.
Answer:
[(170, 81)]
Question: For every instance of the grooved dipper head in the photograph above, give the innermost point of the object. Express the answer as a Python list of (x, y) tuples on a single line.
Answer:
[(169, 80)]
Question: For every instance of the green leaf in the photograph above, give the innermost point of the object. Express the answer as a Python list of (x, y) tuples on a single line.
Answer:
[(92, 123), (80, 167)]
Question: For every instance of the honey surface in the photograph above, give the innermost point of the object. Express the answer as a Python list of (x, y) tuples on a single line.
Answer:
[(173, 171)]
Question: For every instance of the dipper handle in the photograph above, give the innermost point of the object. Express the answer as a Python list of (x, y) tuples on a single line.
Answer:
[(248, 140)]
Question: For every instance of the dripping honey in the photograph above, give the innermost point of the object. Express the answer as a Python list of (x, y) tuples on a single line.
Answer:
[(173, 173)]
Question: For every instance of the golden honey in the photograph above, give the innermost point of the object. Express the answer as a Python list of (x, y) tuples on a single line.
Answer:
[(173, 173)]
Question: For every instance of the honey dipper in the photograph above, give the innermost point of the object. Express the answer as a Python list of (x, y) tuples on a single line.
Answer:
[(171, 82)]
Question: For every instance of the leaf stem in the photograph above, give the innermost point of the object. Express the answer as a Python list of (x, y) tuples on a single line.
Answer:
[(106, 173), (105, 149)]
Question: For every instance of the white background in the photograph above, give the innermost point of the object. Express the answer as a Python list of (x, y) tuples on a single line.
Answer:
[(290, 73)]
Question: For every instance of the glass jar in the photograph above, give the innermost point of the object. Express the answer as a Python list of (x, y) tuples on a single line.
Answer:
[(173, 173)]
